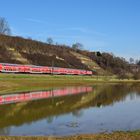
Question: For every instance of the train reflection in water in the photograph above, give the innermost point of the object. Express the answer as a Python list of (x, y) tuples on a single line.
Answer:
[(29, 96)]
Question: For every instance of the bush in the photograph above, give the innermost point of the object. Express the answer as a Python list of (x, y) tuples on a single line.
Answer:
[(136, 76), (124, 76)]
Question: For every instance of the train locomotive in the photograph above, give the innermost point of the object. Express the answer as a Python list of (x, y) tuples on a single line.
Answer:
[(17, 68)]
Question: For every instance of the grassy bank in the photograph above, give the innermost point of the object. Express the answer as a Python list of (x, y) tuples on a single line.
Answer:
[(22, 82), (113, 136)]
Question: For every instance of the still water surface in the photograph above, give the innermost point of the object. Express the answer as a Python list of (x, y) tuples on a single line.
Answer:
[(71, 110)]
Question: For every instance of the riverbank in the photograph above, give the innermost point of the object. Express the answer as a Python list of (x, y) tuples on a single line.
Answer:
[(21, 82), (113, 136)]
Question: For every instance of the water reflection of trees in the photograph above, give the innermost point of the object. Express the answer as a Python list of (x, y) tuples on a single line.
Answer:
[(17, 114), (5, 131), (116, 93)]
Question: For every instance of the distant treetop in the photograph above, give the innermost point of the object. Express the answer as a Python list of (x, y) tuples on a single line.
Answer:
[(77, 46), (50, 40)]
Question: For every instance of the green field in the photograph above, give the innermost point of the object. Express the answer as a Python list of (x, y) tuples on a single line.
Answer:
[(21, 82)]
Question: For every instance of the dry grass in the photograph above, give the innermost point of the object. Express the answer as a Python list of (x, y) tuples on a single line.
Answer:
[(113, 136)]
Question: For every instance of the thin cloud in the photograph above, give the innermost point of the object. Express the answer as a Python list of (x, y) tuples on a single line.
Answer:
[(34, 20), (38, 21), (83, 30), (65, 36)]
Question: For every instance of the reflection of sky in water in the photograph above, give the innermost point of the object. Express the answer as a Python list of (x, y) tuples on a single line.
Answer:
[(120, 115)]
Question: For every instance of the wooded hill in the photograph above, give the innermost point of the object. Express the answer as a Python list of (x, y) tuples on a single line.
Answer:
[(26, 51)]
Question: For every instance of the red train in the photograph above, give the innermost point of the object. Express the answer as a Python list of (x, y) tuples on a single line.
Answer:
[(17, 68)]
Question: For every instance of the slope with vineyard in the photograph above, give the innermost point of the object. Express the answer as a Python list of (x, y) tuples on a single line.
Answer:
[(26, 51)]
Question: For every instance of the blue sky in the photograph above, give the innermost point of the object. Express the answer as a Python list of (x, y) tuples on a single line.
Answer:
[(104, 25)]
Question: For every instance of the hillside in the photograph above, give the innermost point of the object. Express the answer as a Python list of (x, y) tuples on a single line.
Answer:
[(26, 51)]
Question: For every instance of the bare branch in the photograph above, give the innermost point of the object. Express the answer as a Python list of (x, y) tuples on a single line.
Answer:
[(4, 27)]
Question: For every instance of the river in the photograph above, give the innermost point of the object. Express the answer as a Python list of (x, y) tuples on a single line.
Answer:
[(71, 110)]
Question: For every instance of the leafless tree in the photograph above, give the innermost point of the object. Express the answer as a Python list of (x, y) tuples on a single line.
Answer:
[(131, 60), (77, 46), (50, 40), (4, 27)]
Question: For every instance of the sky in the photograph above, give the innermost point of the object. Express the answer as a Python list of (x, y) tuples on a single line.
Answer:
[(100, 25)]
